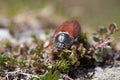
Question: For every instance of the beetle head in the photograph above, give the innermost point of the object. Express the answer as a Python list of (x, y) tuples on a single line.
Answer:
[(63, 40)]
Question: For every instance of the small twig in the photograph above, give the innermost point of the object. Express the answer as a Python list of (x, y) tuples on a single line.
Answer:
[(17, 72), (67, 77), (101, 43)]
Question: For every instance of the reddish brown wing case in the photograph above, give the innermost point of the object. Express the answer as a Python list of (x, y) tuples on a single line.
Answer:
[(72, 27)]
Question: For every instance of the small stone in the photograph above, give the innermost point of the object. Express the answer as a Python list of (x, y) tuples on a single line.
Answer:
[(98, 69), (5, 34)]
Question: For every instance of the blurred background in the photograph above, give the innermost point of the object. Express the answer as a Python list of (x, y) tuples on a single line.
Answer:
[(19, 16)]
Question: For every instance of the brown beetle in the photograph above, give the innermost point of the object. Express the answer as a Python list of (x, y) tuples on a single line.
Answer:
[(66, 34)]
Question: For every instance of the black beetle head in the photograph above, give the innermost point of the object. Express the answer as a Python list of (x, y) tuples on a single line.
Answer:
[(62, 41)]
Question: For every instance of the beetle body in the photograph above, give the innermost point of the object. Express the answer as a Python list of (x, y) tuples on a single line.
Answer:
[(65, 35)]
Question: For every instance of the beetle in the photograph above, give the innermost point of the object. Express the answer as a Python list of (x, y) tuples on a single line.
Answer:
[(66, 34)]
